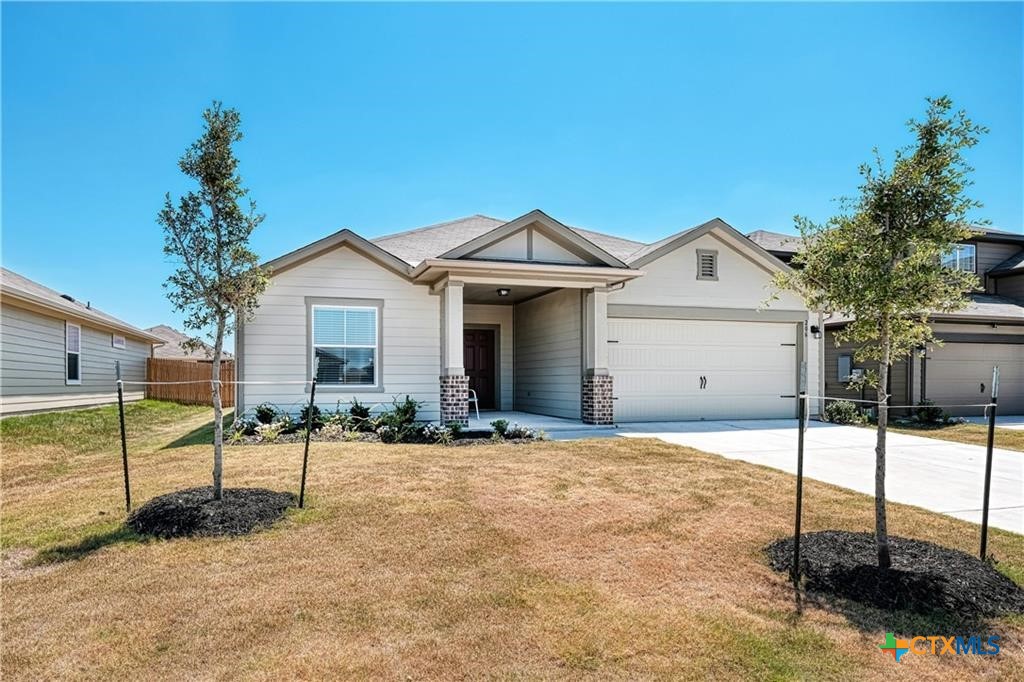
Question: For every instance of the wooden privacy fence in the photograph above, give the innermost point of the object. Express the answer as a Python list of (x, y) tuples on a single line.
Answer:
[(163, 369)]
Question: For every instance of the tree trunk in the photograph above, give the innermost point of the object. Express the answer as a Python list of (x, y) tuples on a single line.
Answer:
[(881, 533), (218, 415)]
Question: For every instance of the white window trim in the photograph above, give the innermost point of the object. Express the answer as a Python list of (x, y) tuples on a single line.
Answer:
[(376, 347), (113, 341), (78, 381)]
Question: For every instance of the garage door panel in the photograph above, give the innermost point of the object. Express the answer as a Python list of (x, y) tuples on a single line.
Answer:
[(962, 373), (657, 366)]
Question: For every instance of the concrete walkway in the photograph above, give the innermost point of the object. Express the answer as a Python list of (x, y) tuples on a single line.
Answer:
[(938, 475), (1014, 422)]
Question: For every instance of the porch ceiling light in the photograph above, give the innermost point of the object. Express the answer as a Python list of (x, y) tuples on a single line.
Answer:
[(504, 292)]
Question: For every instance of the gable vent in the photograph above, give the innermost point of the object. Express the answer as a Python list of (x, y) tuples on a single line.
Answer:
[(707, 264)]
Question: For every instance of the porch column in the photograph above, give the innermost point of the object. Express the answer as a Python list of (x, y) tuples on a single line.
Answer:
[(596, 391), (454, 397)]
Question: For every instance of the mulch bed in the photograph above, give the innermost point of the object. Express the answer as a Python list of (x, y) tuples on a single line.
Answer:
[(924, 578), (475, 437), (194, 513)]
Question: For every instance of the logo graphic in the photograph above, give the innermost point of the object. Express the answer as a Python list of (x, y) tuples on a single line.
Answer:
[(937, 645), (897, 647)]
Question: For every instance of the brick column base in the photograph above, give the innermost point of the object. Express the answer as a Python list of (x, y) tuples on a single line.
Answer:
[(455, 399), (597, 400)]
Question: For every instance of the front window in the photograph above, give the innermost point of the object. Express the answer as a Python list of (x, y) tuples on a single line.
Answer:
[(72, 353), (345, 345), (960, 257)]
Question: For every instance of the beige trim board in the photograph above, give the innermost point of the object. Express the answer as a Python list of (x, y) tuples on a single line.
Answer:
[(334, 241), (667, 312)]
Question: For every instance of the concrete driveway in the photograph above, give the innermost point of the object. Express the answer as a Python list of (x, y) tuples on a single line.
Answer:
[(937, 475)]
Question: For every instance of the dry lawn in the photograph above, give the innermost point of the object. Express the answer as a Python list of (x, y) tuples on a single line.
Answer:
[(973, 434), (611, 559)]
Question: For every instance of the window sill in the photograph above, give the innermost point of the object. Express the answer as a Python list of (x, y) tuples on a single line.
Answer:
[(342, 388)]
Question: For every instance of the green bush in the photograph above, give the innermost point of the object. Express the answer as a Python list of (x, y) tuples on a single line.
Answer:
[(500, 427), (360, 416), (843, 412), (398, 425), (928, 413), (265, 413), (317, 419)]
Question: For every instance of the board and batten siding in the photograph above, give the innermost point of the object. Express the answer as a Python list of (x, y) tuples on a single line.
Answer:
[(900, 385), (1011, 287), (32, 364), (275, 343), (548, 354), (501, 316), (741, 284)]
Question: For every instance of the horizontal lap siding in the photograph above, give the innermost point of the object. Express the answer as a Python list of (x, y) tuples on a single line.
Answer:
[(548, 360), (275, 343), (32, 363)]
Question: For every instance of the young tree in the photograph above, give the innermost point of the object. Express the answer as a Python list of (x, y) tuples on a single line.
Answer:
[(218, 278), (879, 261)]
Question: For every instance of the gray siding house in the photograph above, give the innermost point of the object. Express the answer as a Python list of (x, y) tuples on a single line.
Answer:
[(532, 315), (988, 332), (56, 352)]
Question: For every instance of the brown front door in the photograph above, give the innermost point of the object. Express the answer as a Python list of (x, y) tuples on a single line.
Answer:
[(478, 348)]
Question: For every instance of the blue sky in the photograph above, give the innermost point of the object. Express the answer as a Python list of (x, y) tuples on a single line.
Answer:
[(637, 120)]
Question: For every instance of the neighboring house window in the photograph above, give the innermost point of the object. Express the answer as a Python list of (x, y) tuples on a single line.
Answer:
[(118, 342), (707, 264), (845, 367), (961, 257), (73, 353), (345, 342)]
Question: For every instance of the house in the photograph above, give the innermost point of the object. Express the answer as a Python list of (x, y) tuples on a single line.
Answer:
[(56, 352), (174, 346), (535, 316), (988, 332)]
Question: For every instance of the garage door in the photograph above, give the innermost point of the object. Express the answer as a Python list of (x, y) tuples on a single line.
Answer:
[(962, 373), (696, 369)]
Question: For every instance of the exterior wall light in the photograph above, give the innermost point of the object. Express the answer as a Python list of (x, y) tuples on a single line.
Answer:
[(504, 292)]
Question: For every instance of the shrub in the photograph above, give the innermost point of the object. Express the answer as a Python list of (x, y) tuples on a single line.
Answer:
[(317, 420), (518, 431), (500, 427), (434, 433), (398, 425), (245, 426), (265, 413), (268, 433), (342, 420), (332, 431), (843, 412), (286, 424), (928, 413), (360, 416), (456, 428)]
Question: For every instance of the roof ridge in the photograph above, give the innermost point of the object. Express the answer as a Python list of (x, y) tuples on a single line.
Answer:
[(436, 225)]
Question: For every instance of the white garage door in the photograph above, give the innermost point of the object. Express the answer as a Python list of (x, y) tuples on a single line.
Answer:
[(697, 369), (962, 373)]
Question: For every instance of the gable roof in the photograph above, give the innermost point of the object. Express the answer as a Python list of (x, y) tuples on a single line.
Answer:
[(434, 241), (20, 287), (1013, 265), (572, 237), (345, 237), (776, 241), (172, 348), (654, 251)]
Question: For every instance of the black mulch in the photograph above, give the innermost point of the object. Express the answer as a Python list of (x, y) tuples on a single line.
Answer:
[(194, 512), (925, 578)]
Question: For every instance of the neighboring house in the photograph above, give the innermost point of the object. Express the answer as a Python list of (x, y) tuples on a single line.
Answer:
[(174, 346), (535, 316), (56, 352), (990, 331)]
